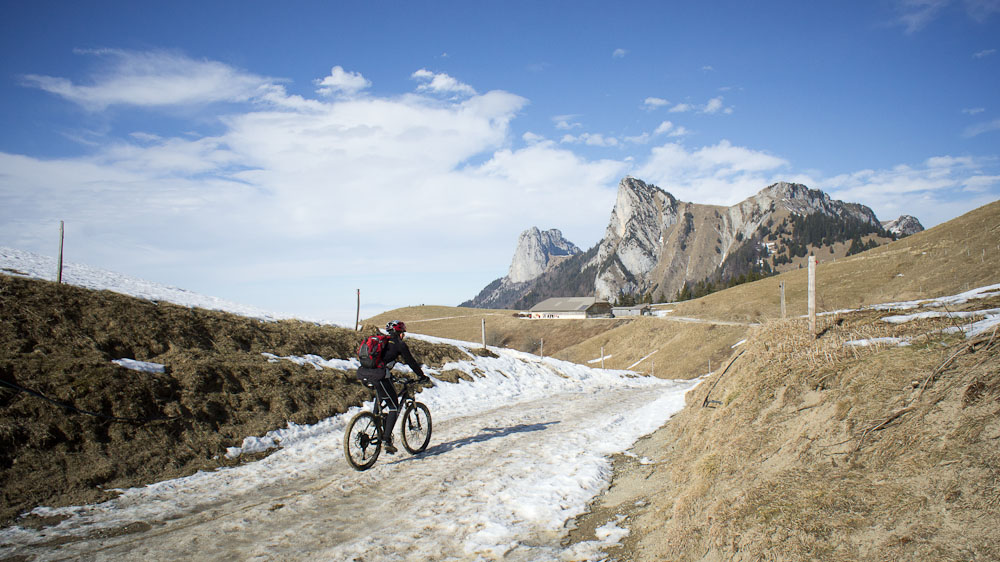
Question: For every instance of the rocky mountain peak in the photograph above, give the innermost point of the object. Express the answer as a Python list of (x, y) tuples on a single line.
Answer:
[(795, 197), (656, 245), (535, 251), (904, 226), (802, 200)]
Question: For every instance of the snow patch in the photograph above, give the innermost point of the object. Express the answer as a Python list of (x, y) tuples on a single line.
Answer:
[(141, 366)]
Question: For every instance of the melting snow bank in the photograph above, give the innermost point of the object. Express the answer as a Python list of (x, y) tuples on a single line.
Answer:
[(977, 321), (899, 342), (516, 453), (952, 300)]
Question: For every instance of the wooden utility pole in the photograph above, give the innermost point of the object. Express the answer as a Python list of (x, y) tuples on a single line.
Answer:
[(484, 333), (357, 317), (62, 236), (812, 294), (602, 357)]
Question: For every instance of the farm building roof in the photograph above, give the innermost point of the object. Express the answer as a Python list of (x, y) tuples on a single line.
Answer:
[(564, 304)]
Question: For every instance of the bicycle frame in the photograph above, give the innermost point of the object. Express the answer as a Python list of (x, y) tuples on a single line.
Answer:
[(362, 449)]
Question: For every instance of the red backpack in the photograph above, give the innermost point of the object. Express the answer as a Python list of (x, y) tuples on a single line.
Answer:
[(371, 350)]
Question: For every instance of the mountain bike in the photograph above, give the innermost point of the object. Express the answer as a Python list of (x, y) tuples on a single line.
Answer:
[(363, 436)]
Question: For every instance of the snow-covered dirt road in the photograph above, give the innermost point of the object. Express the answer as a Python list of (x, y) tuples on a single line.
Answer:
[(514, 456)]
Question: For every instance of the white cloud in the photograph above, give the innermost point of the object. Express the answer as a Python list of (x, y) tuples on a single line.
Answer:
[(653, 103), (590, 139), (973, 110), (941, 162), (664, 127), (707, 68), (981, 10), (342, 82), (532, 138), (566, 122), (722, 174), (981, 128), (619, 53), (914, 15), (984, 53), (714, 105), (293, 178), (980, 183), (156, 78), (942, 188), (441, 83)]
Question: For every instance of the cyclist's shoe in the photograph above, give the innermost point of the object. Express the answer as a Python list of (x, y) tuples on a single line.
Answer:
[(389, 447)]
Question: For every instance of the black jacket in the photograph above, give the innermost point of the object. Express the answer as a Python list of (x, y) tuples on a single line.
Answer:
[(397, 348)]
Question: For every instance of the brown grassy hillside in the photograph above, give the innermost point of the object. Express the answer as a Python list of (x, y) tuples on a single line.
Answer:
[(59, 341), (813, 449), (672, 349)]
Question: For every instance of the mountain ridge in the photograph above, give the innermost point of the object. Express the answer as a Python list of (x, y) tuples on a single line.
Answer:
[(656, 246)]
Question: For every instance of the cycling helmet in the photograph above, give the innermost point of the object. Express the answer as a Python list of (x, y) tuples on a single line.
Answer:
[(395, 326)]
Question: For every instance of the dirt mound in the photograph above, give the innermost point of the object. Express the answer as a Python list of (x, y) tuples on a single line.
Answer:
[(845, 446), (59, 341)]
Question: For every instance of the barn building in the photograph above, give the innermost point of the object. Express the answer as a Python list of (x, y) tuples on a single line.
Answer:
[(571, 307)]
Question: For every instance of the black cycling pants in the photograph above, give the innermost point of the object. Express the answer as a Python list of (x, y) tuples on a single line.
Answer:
[(386, 394)]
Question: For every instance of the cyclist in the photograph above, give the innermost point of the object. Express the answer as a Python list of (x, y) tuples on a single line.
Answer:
[(382, 379)]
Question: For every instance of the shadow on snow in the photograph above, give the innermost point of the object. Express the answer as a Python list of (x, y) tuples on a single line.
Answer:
[(486, 434)]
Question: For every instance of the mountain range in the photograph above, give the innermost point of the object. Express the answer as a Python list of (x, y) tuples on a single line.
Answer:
[(657, 247)]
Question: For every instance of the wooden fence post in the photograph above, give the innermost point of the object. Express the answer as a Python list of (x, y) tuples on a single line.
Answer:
[(357, 317), (484, 333), (812, 294), (62, 236)]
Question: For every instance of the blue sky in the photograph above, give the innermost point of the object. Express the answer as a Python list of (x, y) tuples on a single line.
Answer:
[(285, 154)]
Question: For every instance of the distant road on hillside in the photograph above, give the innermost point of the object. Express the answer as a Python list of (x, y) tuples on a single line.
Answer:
[(704, 321)]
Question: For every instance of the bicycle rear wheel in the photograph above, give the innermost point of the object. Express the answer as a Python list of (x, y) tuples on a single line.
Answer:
[(363, 441), (416, 428)]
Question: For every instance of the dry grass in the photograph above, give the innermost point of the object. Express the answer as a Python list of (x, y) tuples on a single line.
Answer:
[(822, 451)]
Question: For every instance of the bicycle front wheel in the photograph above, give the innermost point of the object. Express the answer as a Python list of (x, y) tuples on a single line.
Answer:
[(416, 428), (363, 441)]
